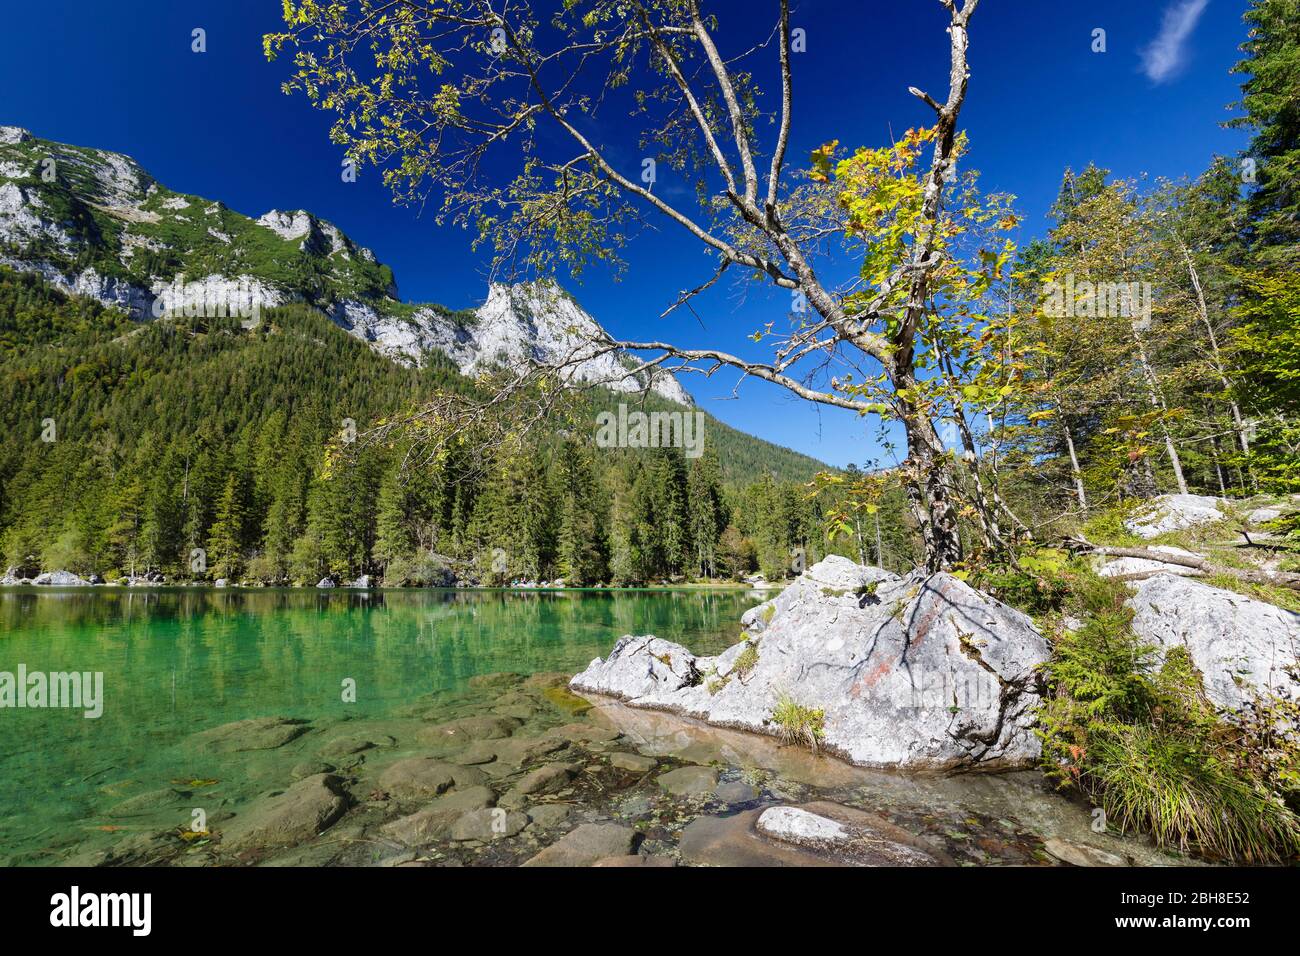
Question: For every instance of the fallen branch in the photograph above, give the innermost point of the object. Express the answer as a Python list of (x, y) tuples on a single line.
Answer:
[(1280, 579)]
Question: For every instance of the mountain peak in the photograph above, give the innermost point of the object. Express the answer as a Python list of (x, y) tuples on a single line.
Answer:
[(95, 223)]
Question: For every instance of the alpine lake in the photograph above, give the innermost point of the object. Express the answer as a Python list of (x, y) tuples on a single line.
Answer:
[(420, 727)]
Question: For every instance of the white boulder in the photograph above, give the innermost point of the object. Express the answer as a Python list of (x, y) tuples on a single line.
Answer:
[(1262, 515), (920, 672), (1175, 513), (59, 579), (1241, 646)]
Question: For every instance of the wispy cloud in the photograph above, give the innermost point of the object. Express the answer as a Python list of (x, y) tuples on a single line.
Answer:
[(1168, 51)]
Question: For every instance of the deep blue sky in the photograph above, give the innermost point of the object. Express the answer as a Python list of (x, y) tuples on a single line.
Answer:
[(121, 76)]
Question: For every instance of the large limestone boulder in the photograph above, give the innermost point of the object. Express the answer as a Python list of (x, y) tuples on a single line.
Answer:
[(919, 672), (59, 579), (1241, 646), (12, 576), (1175, 513)]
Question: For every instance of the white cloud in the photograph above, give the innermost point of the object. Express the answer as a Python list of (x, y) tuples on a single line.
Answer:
[(1167, 52)]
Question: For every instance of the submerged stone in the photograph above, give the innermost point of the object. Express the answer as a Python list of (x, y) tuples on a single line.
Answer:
[(254, 733), (587, 844), (635, 763), (689, 781), (308, 807), (426, 776), (1078, 854), (815, 834)]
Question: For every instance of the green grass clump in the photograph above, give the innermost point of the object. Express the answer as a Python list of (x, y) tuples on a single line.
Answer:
[(1144, 744), (797, 724), (746, 661)]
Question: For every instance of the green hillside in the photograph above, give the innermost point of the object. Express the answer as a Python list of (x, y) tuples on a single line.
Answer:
[(191, 434)]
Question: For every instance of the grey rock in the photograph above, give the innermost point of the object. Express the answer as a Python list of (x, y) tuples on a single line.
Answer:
[(465, 729), (1241, 646), (921, 672), (307, 808), (547, 815), (486, 825), (348, 745), (59, 579), (435, 820), (426, 776), (1175, 513), (796, 825), (1262, 515), (735, 791), (689, 781), (635, 860), (310, 768), (635, 763), (325, 583), (253, 733), (1079, 854), (546, 779), (149, 803), (820, 834), (587, 844)]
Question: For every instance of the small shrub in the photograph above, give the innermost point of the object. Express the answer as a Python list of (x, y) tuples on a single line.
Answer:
[(797, 724), (1145, 745)]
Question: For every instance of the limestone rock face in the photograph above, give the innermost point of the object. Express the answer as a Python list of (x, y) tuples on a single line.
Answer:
[(517, 324), (1241, 646), (1175, 513), (919, 672)]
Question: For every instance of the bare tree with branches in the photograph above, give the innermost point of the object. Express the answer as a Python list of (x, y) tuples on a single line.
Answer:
[(439, 96)]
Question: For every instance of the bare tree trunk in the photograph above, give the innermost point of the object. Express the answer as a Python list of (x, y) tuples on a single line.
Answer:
[(1218, 466), (1158, 403), (1075, 471), (1216, 357), (880, 551)]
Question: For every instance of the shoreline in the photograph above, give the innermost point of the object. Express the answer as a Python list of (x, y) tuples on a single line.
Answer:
[(354, 590)]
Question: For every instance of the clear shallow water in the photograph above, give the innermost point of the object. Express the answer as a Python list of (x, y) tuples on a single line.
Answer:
[(178, 661)]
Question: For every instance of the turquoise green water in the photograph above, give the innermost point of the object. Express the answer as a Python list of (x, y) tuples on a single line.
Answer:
[(177, 661)]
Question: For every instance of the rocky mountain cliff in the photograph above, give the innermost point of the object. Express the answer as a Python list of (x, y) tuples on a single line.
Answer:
[(95, 223)]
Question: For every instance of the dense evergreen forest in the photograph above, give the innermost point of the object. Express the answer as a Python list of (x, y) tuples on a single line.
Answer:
[(130, 447)]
